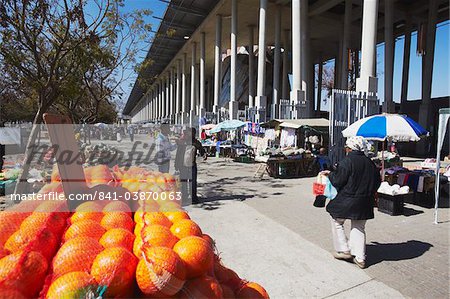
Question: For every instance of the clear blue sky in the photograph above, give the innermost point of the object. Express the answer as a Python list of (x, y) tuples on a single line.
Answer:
[(441, 77)]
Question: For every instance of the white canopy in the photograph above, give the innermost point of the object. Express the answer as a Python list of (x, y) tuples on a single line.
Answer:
[(298, 123), (444, 116)]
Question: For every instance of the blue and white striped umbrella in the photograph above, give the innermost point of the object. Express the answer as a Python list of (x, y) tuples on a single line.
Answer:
[(380, 127)]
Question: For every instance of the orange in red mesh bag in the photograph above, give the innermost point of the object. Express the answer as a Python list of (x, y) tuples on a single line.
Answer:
[(77, 254), (73, 285), (158, 235), (24, 272), (197, 255), (118, 237), (43, 241), (115, 268), (185, 228), (117, 220), (202, 287), (156, 218), (161, 273), (87, 228), (252, 290)]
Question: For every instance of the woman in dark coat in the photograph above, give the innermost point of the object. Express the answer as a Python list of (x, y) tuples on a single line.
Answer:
[(357, 179)]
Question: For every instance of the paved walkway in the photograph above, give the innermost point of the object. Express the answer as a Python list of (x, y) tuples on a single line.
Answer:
[(269, 232)]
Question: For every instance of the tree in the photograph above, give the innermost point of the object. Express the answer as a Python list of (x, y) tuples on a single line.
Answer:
[(50, 49)]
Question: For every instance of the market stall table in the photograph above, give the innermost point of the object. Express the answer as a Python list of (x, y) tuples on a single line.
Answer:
[(292, 168)]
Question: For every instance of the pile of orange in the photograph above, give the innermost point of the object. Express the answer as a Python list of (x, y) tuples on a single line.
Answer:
[(102, 249)]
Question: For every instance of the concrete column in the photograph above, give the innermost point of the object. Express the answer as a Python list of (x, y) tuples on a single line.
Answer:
[(261, 98), (193, 111), (307, 81), (171, 98), (202, 109), (285, 80), (367, 82), (217, 64), (183, 90), (251, 66), (163, 99), (277, 64), (298, 94), (158, 100), (346, 43), (319, 83), (178, 94), (167, 110), (427, 66), (233, 105), (406, 61), (389, 46)]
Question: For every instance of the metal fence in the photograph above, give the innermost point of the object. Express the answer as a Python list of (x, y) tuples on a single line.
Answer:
[(346, 107)]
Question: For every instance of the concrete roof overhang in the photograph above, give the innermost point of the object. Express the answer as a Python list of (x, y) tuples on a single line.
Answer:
[(326, 18)]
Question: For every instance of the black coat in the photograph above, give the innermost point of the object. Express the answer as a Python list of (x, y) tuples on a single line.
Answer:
[(357, 179)]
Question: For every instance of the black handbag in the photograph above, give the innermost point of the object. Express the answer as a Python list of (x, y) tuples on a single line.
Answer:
[(320, 200)]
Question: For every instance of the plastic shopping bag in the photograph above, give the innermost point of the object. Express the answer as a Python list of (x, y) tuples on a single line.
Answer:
[(330, 191), (319, 185)]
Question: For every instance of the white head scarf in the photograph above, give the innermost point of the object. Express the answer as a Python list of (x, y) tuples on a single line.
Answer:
[(358, 143)]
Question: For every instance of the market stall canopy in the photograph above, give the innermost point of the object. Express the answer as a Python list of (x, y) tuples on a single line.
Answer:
[(310, 122), (228, 125), (10, 136), (380, 127), (444, 116), (208, 127)]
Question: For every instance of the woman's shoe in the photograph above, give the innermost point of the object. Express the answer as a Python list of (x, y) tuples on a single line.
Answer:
[(361, 264), (342, 255)]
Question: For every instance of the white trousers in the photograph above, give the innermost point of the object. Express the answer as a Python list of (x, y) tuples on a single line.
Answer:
[(356, 243)]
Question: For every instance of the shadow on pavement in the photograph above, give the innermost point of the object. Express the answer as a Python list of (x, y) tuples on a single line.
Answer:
[(411, 212), (379, 252)]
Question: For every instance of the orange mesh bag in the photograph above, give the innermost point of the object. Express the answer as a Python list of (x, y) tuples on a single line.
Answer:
[(202, 287), (114, 268), (185, 228), (23, 272), (156, 218), (77, 254), (117, 220), (252, 290), (87, 228), (160, 273), (158, 235), (73, 285), (118, 237), (197, 254)]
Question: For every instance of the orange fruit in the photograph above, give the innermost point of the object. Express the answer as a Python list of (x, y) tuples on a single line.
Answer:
[(175, 216), (86, 228), (98, 175), (161, 273), (72, 285), (52, 187), (149, 205), (90, 206), (184, 228), (156, 218), (137, 246), (6, 230), (78, 216), (158, 235), (23, 271), (55, 221), (115, 267), (202, 287), (210, 240), (43, 241), (10, 293), (252, 290), (117, 206), (117, 237), (117, 220), (77, 254), (196, 253)]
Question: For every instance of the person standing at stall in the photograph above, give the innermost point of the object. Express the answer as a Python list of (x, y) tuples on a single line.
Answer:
[(186, 163), (357, 179), (164, 149)]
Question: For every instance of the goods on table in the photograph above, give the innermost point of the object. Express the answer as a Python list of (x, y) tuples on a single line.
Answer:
[(103, 250)]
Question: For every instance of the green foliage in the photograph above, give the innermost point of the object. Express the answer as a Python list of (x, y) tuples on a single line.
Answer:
[(57, 55)]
